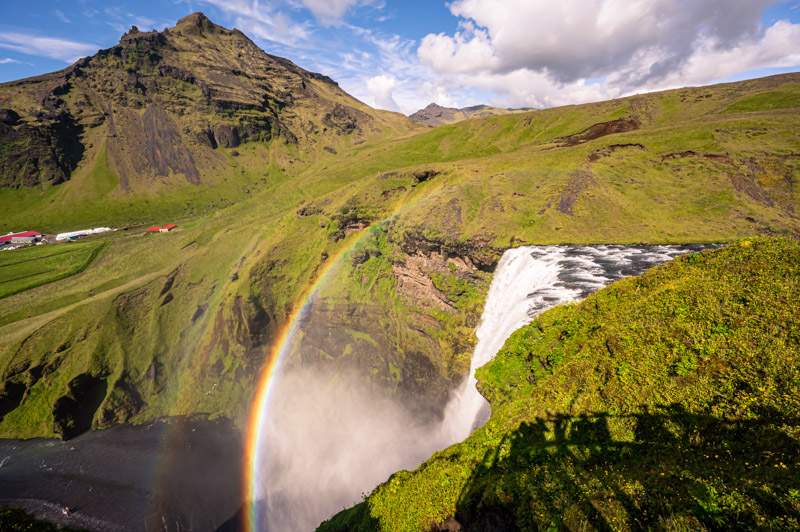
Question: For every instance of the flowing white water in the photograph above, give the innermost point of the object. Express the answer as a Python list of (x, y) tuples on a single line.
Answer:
[(528, 281)]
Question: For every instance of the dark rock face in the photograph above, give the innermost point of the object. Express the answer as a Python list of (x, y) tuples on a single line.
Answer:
[(344, 120), (122, 404), (73, 413), (159, 147), (423, 175), (477, 250), (344, 338), (11, 397), (8, 117), (226, 136), (44, 152)]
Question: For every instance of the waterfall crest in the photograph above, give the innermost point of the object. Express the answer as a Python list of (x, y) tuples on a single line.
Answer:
[(529, 280)]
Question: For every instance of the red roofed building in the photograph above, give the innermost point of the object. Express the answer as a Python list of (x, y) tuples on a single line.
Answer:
[(25, 234), (163, 229)]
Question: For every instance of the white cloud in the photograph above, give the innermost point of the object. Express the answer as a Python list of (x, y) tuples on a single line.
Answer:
[(543, 53), (380, 90), (52, 47), (263, 21), (7, 61), (574, 39), (330, 11)]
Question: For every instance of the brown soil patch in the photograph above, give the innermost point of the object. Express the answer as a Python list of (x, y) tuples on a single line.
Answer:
[(747, 184), (578, 182), (620, 125), (608, 150)]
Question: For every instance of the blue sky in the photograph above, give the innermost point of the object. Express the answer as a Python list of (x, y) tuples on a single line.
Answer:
[(403, 54)]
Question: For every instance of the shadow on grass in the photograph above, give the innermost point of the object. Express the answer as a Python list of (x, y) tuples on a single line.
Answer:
[(672, 469)]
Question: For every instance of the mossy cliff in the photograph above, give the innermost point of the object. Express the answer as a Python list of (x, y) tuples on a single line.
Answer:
[(664, 401)]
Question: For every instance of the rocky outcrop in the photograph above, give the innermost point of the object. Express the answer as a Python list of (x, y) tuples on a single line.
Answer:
[(477, 251), (601, 153), (44, 151), (345, 120), (415, 284)]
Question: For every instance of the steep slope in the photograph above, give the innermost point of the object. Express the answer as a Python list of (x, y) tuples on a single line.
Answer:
[(665, 401), (182, 323), (437, 115), (158, 111)]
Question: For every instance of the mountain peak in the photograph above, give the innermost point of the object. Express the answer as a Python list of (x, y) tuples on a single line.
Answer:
[(197, 19), (435, 115), (165, 101)]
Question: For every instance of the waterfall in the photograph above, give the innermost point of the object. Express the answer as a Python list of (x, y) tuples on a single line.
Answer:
[(529, 280), (332, 440)]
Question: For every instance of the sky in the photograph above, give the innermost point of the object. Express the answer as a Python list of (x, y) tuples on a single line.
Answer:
[(403, 54)]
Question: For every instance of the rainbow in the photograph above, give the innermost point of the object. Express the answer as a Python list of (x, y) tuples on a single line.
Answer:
[(256, 432)]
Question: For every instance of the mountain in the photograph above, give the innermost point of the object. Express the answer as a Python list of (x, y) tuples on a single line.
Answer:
[(436, 115), (164, 109)]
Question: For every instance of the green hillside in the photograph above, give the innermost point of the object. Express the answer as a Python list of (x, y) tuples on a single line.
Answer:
[(180, 323), (666, 401)]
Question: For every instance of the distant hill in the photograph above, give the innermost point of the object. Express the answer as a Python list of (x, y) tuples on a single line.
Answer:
[(436, 115)]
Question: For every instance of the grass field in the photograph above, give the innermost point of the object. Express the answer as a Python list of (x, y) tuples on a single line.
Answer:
[(28, 268)]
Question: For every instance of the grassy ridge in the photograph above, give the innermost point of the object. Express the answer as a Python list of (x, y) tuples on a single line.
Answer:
[(669, 401)]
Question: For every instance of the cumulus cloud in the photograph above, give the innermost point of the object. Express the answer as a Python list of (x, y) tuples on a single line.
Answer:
[(538, 52), (7, 61), (51, 47), (380, 90)]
